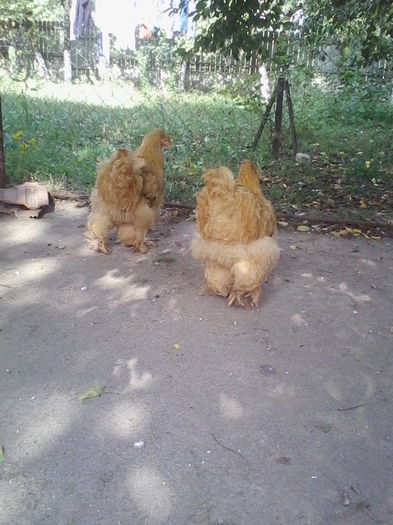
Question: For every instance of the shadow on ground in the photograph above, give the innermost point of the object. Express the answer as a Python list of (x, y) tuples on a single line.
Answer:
[(281, 415)]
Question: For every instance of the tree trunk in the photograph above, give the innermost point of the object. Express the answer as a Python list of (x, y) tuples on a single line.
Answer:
[(3, 178)]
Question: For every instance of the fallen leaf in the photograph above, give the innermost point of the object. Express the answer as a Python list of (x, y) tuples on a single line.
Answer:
[(362, 204), (303, 228), (176, 346), (356, 232), (2, 456), (376, 237), (283, 223), (293, 246), (93, 392), (165, 257)]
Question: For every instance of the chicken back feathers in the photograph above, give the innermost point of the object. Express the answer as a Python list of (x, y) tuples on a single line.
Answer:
[(129, 176), (236, 225), (230, 210), (129, 192)]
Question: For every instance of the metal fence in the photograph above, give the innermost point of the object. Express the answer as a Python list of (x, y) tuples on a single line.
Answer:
[(60, 129), (40, 48)]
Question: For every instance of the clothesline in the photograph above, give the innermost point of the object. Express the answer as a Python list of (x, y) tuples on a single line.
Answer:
[(122, 18)]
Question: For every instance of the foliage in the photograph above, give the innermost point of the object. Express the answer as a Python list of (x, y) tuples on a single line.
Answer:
[(245, 92), (367, 24), (30, 10), (22, 37), (157, 55), (235, 25), (59, 133)]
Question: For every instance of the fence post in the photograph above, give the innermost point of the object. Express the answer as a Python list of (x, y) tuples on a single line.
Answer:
[(265, 117), (186, 74), (104, 60), (253, 64), (291, 117), (67, 42), (3, 178), (276, 143)]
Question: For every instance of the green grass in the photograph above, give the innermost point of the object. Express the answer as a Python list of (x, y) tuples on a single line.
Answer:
[(58, 133)]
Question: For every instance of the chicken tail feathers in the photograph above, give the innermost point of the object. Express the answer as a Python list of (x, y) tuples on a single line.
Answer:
[(220, 178), (248, 176)]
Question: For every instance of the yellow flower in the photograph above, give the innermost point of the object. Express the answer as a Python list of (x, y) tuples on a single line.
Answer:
[(367, 163), (24, 147), (17, 135)]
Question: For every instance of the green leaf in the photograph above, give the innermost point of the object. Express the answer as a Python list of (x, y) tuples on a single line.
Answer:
[(303, 228), (93, 392)]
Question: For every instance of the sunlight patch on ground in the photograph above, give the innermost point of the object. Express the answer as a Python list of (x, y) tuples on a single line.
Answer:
[(151, 494), (368, 262), (17, 232), (125, 419), (173, 305), (110, 280), (129, 291), (362, 298), (12, 497), (298, 320), (47, 421), (281, 391), (135, 380), (29, 271), (365, 388), (230, 407), (98, 94)]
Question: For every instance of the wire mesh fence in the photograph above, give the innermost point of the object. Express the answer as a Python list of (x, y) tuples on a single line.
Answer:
[(60, 129)]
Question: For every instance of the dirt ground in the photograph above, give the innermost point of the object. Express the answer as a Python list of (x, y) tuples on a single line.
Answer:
[(209, 414)]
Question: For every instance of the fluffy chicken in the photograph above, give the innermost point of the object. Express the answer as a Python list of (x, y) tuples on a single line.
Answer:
[(235, 239), (128, 193)]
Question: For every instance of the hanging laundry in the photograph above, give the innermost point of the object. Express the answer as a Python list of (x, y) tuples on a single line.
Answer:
[(82, 20)]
